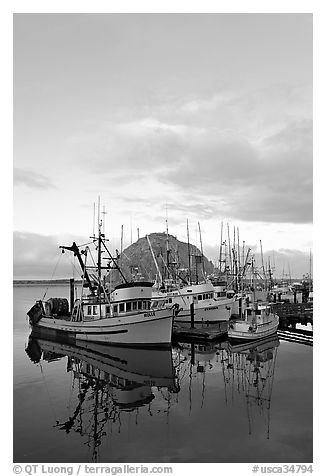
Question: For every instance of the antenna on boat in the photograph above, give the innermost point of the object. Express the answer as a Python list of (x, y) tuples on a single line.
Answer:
[(104, 213)]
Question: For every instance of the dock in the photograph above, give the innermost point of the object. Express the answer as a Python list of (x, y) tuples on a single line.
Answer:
[(291, 314), (200, 333), (298, 336)]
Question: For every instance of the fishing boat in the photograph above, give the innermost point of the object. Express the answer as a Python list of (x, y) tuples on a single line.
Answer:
[(284, 292), (192, 299), (256, 320), (207, 307), (124, 316)]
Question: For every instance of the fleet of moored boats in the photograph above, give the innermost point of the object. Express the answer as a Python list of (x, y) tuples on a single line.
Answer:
[(138, 313)]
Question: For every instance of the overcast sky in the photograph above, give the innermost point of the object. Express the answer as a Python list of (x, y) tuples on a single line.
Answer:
[(207, 116)]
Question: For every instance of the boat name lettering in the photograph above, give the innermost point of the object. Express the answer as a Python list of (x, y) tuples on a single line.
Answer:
[(210, 308), (149, 314)]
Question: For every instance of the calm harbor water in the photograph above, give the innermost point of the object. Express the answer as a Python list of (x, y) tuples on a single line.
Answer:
[(191, 404)]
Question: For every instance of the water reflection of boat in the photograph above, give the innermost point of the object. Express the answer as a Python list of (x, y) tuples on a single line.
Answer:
[(110, 380), (248, 369)]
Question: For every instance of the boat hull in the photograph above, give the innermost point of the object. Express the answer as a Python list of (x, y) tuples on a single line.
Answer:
[(145, 329), (212, 314)]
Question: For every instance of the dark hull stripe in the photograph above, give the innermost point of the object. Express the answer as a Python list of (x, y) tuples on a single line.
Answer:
[(123, 331)]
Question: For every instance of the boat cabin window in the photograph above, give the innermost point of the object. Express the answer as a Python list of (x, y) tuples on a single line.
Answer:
[(132, 306), (89, 310), (95, 310), (221, 294), (258, 312), (200, 297), (107, 309)]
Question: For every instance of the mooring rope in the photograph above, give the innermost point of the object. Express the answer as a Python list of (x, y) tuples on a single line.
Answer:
[(55, 268)]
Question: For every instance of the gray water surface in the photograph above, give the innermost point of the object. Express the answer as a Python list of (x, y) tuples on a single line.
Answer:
[(192, 403)]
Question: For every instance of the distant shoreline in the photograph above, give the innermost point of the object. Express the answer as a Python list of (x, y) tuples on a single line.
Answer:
[(31, 282)]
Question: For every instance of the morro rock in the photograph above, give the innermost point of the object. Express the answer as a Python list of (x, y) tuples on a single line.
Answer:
[(159, 255)]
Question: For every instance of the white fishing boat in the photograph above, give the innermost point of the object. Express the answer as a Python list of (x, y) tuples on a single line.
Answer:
[(192, 294), (124, 317), (207, 307), (255, 321), (285, 292)]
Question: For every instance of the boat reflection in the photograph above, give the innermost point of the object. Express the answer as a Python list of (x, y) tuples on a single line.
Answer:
[(248, 370), (109, 380)]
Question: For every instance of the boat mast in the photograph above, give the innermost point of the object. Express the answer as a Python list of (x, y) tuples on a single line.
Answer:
[(310, 271), (201, 248), (168, 251), (188, 252), (221, 243), (262, 263), (154, 259), (121, 245), (99, 273), (230, 256)]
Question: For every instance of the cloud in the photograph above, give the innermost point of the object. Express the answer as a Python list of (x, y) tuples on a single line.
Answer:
[(32, 179), (248, 155), (38, 257), (270, 181)]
